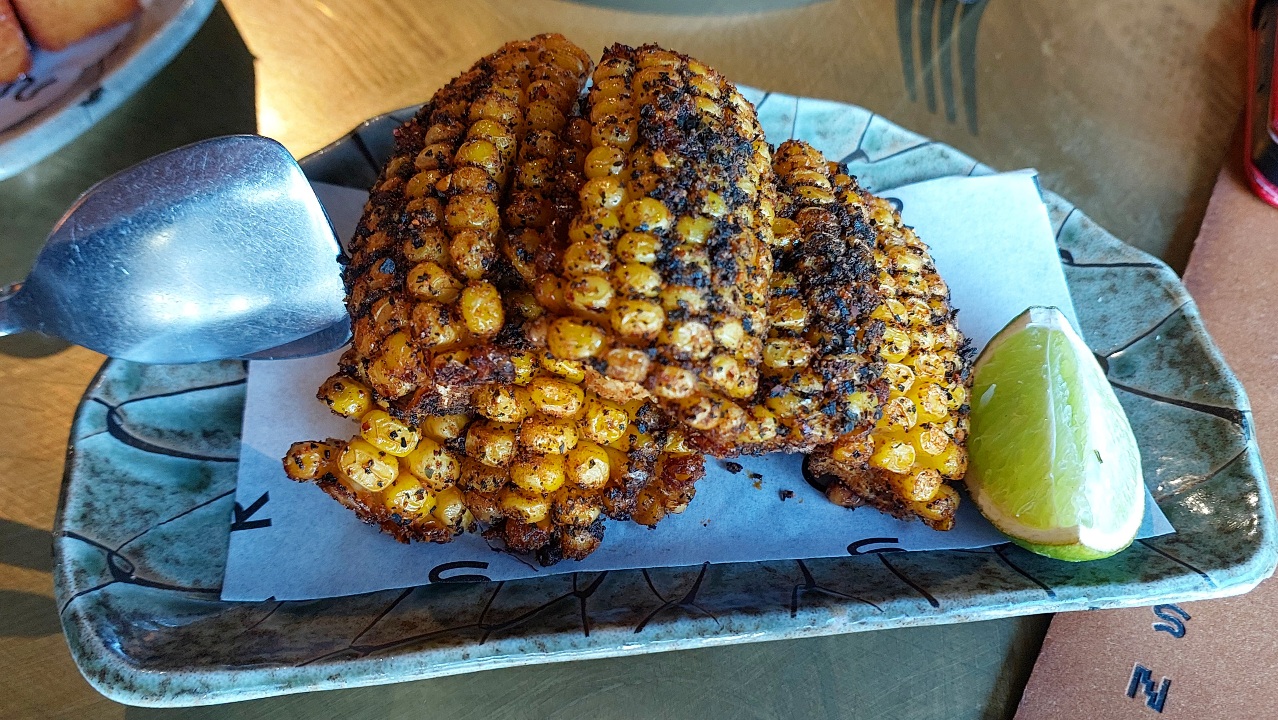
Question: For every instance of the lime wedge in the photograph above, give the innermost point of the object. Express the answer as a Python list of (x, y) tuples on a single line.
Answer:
[(1054, 464)]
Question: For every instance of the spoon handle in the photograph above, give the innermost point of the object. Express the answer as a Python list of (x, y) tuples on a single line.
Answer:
[(10, 322)]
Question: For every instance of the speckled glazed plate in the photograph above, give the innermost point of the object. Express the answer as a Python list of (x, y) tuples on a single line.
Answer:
[(67, 92), (148, 505)]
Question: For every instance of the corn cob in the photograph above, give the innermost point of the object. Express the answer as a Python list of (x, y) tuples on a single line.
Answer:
[(426, 262), (661, 291), (916, 445), (539, 466)]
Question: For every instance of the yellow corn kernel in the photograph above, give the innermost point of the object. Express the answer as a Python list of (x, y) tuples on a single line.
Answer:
[(690, 338), (503, 403), (603, 421), (571, 370), (899, 413), (785, 404), (479, 477), (896, 345), (940, 508), (308, 460), (638, 247), (538, 474), (646, 215), (432, 465), (891, 311), (683, 297), (543, 115), (589, 293), (899, 377), (893, 454), (956, 395), (443, 428), (480, 153), (931, 400), (929, 365), (529, 510), (481, 308), (346, 396), (604, 161), (713, 204), (585, 257), (549, 291), (950, 462), (673, 382), (550, 437), (627, 364), (603, 192), (600, 224), (434, 326), (490, 443), (619, 131), (557, 398), (573, 339), (918, 486), (387, 433), (637, 279), (407, 497), (472, 211), (729, 333), (431, 282), (571, 511), (496, 133), (787, 353), (367, 466), (637, 319), (450, 508), (525, 364), (928, 439), (588, 466), (788, 313), (694, 230), (472, 253)]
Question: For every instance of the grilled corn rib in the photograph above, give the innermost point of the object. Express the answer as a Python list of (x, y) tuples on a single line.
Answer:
[(903, 462), (540, 465), (422, 280), (820, 376), (661, 291)]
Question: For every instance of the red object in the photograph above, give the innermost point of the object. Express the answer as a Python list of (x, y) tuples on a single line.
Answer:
[(1260, 147)]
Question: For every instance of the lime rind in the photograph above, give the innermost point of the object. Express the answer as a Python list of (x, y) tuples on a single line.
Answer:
[(1054, 463)]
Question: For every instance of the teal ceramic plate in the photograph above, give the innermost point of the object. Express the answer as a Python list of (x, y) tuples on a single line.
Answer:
[(148, 504)]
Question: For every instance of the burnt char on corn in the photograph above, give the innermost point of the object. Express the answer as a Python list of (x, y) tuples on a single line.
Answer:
[(902, 464), (426, 262), (820, 375), (661, 291)]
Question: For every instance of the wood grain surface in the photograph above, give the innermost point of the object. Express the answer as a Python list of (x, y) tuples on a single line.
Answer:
[(1126, 107)]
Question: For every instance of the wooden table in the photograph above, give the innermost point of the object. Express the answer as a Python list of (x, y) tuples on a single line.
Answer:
[(1125, 108)]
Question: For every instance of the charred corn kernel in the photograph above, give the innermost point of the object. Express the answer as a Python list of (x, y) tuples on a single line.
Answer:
[(574, 511), (940, 509), (434, 466), (407, 497), (473, 253), (308, 460), (637, 280), (638, 247), (571, 370), (599, 224), (346, 397), (589, 293), (627, 364), (683, 298), (786, 353), (603, 161), (557, 398), (931, 401), (431, 282), (637, 319), (645, 215), (481, 309), (896, 345), (472, 211), (450, 508), (367, 466), (899, 413), (586, 257), (573, 339), (673, 382), (503, 403), (525, 365), (932, 366), (490, 443), (547, 436), (482, 478), (899, 378), (443, 428), (893, 455), (434, 325), (538, 474), (603, 192), (788, 313), (587, 466), (528, 510), (918, 486), (853, 448), (387, 433), (603, 421)]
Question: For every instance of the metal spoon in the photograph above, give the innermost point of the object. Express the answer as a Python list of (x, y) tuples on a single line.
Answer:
[(215, 250)]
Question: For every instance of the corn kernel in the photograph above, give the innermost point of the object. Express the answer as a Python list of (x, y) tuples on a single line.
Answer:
[(931, 400), (491, 443), (919, 486), (573, 339), (896, 345), (899, 413), (627, 364), (525, 365), (430, 281), (432, 465), (503, 403), (443, 428), (638, 247), (529, 510), (673, 382), (407, 497), (388, 433), (539, 474), (346, 396), (893, 454), (308, 460), (557, 398), (481, 308), (645, 215), (586, 257), (637, 319), (589, 293), (928, 439), (550, 437), (367, 466), (450, 508), (603, 161), (637, 280)]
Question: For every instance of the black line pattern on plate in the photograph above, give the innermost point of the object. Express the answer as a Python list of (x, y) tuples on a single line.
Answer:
[(810, 585), (906, 579), (1206, 578), (688, 600), (1001, 552), (124, 571), (1067, 259)]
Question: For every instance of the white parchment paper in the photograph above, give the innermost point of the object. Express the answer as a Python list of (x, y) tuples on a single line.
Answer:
[(992, 242)]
